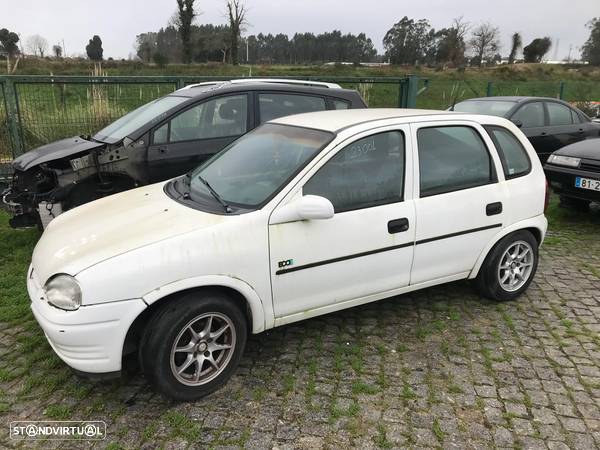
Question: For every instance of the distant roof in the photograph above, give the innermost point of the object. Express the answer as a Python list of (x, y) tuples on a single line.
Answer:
[(337, 120)]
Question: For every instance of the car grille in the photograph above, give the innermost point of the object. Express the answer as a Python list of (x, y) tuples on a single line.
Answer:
[(590, 165)]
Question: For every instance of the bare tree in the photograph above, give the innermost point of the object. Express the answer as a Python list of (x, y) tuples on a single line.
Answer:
[(485, 42), (517, 43), (236, 12), (37, 45)]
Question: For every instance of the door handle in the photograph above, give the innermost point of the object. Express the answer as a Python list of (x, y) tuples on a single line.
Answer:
[(162, 150), (543, 133), (398, 225), (580, 130), (493, 209)]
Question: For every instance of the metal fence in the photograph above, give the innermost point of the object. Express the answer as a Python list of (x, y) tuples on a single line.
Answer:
[(35, 110)]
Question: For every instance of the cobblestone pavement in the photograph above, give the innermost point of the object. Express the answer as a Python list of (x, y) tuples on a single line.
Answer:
[(437, 368)]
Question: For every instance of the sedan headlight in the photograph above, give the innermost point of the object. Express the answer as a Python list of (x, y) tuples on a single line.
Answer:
[(63, 291), (564, 160)]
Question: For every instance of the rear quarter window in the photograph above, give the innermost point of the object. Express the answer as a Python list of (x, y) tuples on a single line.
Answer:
[(514, 158)]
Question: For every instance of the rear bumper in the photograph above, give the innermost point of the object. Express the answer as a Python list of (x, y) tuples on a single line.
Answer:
[(90, 339), (562, 181)]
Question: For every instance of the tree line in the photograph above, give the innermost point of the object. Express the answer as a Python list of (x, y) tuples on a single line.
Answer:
[(408, 41)]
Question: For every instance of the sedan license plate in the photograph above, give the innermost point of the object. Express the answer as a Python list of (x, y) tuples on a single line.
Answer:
[(587, 183)]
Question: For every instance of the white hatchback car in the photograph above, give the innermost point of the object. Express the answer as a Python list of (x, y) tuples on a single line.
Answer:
[(305, 215)]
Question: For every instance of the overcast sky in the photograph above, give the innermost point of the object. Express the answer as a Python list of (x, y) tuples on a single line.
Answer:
[(119, 21)]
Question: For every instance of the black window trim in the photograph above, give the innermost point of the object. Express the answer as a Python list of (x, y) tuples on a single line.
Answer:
[(168, 120), (301, 94), (507, 176), (493, 174), (374, 203)]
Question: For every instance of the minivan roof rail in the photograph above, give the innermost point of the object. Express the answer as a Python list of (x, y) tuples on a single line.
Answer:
[(268, 80)]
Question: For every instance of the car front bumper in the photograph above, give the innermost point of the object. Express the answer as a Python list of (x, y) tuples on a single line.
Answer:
[(90, 339), (562, 181)]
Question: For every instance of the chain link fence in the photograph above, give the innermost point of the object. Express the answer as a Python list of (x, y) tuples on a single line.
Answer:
[(36, 110)]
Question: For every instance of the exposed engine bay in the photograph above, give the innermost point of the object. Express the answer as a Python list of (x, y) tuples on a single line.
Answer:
[(68, 173)]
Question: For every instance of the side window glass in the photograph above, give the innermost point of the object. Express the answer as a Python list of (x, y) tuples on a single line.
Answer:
[(515, 161), (452, 158), (531, 115), (273, 106), (341, 104), (161, 134), (221, 117), (559, 114), (575, 117), (366, 173)]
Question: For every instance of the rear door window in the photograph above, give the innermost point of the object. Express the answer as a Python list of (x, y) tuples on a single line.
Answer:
[(452, 158), (513, 155), (274, 105), (559, 114), (530, 114)]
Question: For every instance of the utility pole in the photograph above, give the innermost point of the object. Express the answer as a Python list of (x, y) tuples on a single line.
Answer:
[(64, 49)]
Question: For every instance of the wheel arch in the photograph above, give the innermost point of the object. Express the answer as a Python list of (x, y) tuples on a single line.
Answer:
[(240, 292), (537, 226)]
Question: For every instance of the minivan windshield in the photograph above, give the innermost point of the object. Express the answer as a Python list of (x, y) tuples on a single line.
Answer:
[(137, 118), (491, 107), (252, 169)]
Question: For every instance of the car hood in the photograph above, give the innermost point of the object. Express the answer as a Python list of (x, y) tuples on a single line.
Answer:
[(588, 149), (54, 150), (105, 228)]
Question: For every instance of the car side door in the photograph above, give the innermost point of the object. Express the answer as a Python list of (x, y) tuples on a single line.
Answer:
[(367, 246), (459, 202), (530, 117), (196, 133)]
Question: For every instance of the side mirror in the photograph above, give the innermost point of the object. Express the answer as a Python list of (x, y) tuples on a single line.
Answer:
[(308, 207), (518, 123)]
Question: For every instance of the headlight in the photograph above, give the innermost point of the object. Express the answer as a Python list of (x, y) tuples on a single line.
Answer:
[(64, 292), (564, 160)]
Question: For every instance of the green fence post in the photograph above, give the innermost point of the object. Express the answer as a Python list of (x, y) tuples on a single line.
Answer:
[(180, 83), (561, 90), (412, 89), (12, 117), (489, 90)]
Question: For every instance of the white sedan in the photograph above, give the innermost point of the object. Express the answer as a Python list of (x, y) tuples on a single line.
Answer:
[(305, 215)]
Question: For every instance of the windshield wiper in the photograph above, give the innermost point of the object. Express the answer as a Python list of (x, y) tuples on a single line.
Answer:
[(215, 195)]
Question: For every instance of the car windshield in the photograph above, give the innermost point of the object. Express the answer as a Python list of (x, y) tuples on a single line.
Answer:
[(137, 118), (491, 107), (253, 168)]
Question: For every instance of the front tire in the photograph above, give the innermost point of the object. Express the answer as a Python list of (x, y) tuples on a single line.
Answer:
[(509, 268), (193, 345)]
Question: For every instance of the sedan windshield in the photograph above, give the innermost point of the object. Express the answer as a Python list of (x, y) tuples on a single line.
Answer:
[(491, 107), (252, 169), (137, 118)]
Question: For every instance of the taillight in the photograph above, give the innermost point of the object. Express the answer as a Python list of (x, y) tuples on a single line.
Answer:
[(547, 196)]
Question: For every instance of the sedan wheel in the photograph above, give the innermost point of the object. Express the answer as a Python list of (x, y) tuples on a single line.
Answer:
[(193, 344), (509, 267), (202, 349), (515, 266)]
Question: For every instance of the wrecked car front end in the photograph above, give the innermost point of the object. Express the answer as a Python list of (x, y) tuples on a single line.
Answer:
[(62, 175)]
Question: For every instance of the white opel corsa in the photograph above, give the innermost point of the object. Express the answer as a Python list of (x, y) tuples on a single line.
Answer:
[(306, 215)]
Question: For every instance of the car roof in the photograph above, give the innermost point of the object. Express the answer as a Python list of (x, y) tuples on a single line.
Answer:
[(337, 120)]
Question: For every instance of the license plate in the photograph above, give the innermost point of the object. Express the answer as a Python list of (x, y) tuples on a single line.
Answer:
[(587, 183)]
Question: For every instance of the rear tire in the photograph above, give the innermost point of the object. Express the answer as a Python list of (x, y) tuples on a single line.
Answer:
[(509, 267), (193, 345)]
